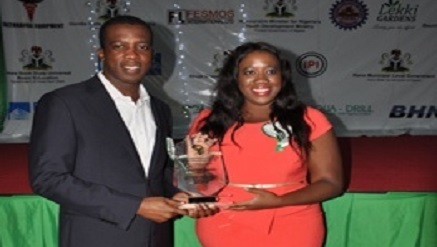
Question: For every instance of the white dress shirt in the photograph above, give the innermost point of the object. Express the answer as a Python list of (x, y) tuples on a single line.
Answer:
[(138, 119)]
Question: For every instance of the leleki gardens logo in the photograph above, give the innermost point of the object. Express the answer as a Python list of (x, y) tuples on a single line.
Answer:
[(395, 11)]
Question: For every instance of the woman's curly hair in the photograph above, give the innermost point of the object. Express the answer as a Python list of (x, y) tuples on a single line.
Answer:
[(226, 108)]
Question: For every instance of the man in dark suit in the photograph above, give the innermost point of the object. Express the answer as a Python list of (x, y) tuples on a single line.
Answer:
[(97, 148)]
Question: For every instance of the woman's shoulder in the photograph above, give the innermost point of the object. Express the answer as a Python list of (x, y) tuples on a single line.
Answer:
[(312, 113), (317, 120), (196, 122), (204, 112)]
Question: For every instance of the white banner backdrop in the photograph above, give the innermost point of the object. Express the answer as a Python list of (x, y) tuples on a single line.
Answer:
[(370, 65)]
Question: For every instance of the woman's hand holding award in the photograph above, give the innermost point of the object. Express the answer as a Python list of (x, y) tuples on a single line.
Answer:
[(199, 170)]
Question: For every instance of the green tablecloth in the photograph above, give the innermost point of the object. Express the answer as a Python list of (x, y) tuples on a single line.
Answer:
[(28, 221), (353, 220)]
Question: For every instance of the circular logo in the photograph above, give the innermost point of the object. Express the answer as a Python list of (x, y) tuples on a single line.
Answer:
[(311, 64), (349, 14)]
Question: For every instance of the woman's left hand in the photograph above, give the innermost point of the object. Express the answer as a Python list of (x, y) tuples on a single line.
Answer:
[(262, 199)]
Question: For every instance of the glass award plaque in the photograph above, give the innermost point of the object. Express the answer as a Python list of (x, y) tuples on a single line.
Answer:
[(198, 172)]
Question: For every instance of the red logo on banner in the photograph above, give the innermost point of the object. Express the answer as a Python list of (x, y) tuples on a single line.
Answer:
[(311, 64), (30, 6)]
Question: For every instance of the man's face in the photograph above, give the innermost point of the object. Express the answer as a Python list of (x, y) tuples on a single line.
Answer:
[(127, 55)]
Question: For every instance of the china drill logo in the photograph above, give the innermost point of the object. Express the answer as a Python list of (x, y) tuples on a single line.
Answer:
[(200, 16), (280, 8), (349, 14), (311, 64), (36, 59), (30, 7), (395, 61)]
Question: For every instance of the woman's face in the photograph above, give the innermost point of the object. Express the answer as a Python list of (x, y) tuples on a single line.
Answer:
[(259, 78)]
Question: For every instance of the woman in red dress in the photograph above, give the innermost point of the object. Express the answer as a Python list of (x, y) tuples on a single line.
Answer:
[(281, 156)]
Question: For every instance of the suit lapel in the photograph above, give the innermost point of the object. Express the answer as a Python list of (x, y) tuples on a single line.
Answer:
[(104, 108), (159, 138)]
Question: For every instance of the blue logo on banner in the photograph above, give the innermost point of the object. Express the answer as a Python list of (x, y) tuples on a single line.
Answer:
[(19, 111)]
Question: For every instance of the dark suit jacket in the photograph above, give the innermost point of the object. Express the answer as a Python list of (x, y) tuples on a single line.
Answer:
[(83, 158)]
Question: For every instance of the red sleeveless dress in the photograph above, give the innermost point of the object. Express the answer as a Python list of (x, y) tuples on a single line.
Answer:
[(257, 161)]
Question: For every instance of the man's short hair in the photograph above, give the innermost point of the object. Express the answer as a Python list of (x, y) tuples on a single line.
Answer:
[(121, 19)]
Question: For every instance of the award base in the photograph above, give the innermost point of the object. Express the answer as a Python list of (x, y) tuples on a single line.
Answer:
[(193, 202), (202, 199)]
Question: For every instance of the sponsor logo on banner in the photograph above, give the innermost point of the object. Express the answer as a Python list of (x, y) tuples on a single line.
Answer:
[(19, 111), (101, 11), (280, 8), (349, 14), (311, 64), (394, 14), (395, 68), (413, 111), (395, 61), (349, 109), (279, 16), (37, 68), (395, 11), (36, 58), (106, 9), (30, 6), (200, 16)]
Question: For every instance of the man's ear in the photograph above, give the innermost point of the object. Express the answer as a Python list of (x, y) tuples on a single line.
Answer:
[(101, 54)]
